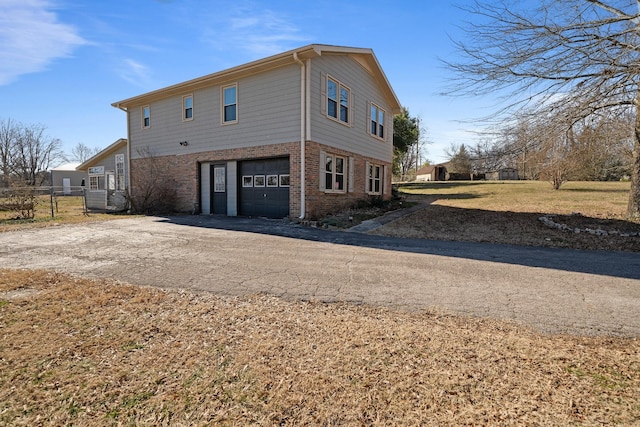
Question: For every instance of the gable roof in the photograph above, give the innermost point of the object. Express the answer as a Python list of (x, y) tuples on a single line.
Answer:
[(425, 170), (119, 144), (365, 57)]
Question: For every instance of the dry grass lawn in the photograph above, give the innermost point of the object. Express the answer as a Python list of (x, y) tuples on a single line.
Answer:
[(81, 352), (96, 353), (66, 210), (509, 211)]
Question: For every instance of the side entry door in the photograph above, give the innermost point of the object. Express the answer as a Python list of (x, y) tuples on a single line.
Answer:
[(219, 186)]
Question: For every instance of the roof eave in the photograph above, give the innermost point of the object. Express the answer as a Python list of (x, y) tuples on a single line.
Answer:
[(111, 148), (281, 59)]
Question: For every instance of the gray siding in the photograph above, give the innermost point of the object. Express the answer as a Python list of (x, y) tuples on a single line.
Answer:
[(364, 90), (97, 199), (268, 113), (57, 176)]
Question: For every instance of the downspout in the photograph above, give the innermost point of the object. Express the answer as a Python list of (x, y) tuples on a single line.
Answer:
[(303, 133), (128, 186)]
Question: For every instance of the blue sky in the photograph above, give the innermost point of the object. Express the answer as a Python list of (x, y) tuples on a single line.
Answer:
[(63, 62)]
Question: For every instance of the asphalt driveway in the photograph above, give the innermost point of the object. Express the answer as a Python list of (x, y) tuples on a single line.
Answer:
[(552, 290)]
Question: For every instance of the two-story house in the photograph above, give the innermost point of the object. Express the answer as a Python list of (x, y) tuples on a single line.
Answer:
[(298, 134)]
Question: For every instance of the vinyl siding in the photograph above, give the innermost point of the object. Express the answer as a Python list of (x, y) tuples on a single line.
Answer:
[(364, 90), (268, 113), (96, 199)]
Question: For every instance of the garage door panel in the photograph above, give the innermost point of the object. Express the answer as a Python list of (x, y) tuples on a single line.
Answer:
[(260, 191)]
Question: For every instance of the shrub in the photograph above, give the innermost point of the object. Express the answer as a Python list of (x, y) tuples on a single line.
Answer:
[(22, 201)]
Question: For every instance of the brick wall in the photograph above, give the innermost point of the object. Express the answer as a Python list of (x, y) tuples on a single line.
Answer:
[(319, 202), (180, 173)]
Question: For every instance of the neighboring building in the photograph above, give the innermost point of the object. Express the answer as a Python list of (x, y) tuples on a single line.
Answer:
[(432, 173), (66, 180), (502, 174), (297, 134), (107, 178), (425, 173)]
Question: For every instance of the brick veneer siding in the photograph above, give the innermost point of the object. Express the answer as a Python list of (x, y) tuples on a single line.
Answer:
[(319, 202), (181, 173)]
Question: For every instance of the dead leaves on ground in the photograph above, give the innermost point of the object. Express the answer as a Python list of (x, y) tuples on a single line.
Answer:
[(75, 351)]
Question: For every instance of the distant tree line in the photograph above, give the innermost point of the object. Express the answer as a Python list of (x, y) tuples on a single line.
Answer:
[(569, 68), (27, 153), (597, 148)]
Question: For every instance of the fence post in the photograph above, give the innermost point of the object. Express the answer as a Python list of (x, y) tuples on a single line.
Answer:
[(51, 200)]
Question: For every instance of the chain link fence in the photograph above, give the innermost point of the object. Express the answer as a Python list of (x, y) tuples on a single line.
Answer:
[(23, 202)]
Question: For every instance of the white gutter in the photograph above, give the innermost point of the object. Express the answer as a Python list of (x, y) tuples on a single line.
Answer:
[(303, 132)]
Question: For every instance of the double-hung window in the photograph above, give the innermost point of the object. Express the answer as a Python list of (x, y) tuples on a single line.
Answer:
[(120, 186), (374, 174), (230, 104), (377, 115), (338, 101), (146, 117), (334, 167), (94, 182), (187, 108)]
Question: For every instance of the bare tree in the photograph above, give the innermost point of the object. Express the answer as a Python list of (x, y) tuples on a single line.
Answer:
[(553, 53), (602, 148), (34, 154), (151, 190), (9, 132), (81, 153)]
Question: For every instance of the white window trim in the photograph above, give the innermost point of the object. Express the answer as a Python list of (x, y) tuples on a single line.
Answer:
[(142, 122), (339, 85), (97, 178), (222, 104), (120, 176), (184, 108), (370, 179), (270, 178), (345, 173), (370, 119)]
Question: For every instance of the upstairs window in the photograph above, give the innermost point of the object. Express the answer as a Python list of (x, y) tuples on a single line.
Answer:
[(187, 108), (338, 101), (230, 104), (377, 115), (146, 117)]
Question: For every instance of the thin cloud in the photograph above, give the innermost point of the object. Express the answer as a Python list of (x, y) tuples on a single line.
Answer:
[(31, 37), (134, 72), (257, 32)]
